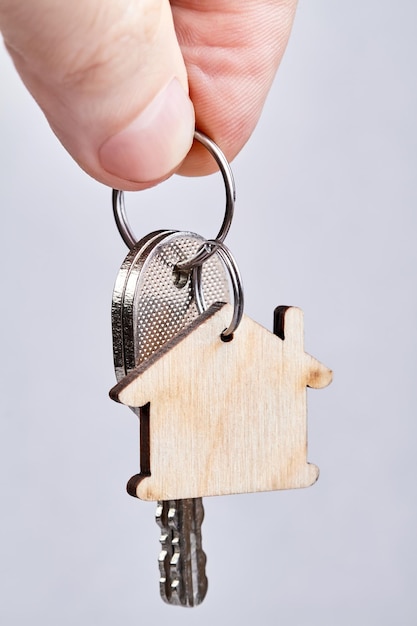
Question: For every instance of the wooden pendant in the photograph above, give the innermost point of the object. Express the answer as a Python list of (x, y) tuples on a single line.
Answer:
[(224, 417)]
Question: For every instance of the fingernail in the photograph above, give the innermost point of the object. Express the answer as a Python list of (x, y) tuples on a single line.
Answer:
[(156, 142)]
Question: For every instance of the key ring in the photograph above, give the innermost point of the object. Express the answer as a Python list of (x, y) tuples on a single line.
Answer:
[(215, 246), (129, 237)]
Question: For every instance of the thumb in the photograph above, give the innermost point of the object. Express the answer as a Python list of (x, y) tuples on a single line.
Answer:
[(111, 81)]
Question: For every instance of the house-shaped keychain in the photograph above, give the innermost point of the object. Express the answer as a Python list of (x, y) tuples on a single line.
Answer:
[(224, 417)]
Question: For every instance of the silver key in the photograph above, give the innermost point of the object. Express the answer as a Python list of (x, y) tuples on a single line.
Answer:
[(150, 306)]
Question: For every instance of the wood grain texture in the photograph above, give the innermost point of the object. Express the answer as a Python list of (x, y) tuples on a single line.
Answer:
[(226, 417)]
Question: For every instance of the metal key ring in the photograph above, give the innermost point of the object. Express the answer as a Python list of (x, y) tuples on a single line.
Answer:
[(236, 280), (129, 237)]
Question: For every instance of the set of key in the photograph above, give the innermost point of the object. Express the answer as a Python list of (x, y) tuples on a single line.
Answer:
[(152, 302), (218, 414)]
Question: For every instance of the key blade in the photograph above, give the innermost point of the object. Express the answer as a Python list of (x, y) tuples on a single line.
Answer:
[(182, 560)]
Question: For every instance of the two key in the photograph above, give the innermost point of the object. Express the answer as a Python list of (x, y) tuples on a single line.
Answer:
[(151, 306)]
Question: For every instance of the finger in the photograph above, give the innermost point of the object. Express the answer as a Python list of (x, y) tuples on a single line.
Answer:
[(232, 50), (111, 81)]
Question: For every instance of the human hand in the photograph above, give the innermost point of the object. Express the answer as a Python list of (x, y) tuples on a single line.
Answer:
[(113, 76)]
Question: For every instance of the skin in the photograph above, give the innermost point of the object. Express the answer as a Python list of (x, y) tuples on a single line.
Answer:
[(123, 83)]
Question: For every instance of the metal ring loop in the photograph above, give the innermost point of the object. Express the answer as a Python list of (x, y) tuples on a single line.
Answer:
[(236, 280), (129, 237)]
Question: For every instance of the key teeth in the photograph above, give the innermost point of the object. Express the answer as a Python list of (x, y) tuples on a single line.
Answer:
[(169, 557), (182, 560), (175, 569), (165, 553)]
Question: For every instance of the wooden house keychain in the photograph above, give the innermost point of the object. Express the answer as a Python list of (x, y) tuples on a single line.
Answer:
[(221, 400)]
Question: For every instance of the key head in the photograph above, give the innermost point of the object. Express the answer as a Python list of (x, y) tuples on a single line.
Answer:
[(151, 302), (129, 272)]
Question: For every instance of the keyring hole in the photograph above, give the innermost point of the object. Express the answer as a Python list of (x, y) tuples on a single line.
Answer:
[(226, 338), (180, 277)]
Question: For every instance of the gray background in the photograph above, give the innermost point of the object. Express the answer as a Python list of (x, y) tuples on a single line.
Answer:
[(325, 220)]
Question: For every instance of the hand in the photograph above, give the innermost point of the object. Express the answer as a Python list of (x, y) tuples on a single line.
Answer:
[(113, 77)]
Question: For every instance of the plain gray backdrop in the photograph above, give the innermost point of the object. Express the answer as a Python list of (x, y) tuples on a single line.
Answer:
[(325, 220)]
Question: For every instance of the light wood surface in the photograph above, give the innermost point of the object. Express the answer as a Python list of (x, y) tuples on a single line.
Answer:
[(224, 417)]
